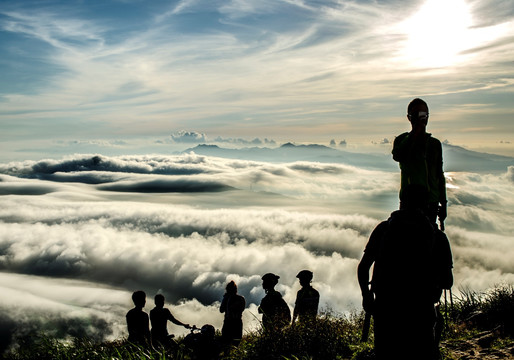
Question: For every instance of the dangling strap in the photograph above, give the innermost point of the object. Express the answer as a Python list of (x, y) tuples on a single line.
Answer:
[(451, 301), (446, 326)]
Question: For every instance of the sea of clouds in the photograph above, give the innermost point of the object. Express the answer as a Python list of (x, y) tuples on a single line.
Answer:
[(79, 234)]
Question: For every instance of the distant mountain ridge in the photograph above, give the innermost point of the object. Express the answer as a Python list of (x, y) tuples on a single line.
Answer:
[(455, 158), (290, 152)]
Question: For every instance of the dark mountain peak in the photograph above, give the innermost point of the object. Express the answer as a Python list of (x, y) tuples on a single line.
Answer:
[(200, 147), (207, 146), (290, 145), (317, 146)]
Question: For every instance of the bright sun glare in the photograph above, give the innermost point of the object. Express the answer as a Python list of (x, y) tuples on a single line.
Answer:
[(437, 33)]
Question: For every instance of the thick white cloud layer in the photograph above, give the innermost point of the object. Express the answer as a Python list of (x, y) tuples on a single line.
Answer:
[(78, 235)]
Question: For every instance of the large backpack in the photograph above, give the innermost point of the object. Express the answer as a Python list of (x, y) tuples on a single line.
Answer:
[(283, 312), (275, 309), (411, 257)]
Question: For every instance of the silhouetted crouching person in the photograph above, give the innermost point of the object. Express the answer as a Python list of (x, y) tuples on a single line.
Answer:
[(405, 285), (307, 299), (274, 310), (159, 317), (203, 345), (233, 306), (137, 321)]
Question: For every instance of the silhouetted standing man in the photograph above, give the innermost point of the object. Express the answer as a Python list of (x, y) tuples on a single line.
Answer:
[(307, 299), (421, 161), (404, 284), (274, 310), (159, 317), (137, 321), (233, 306)]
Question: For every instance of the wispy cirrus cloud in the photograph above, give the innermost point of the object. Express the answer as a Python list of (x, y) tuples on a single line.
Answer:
[(235, 69)]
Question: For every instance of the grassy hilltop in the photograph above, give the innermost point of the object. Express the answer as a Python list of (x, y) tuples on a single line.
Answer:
[(480, 326)]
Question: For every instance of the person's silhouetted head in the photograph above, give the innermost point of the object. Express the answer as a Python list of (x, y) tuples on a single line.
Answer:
[(305, 277), (417, 112), (159, 300), (269, 281), (231, 287), (139, 298), (208, 331)]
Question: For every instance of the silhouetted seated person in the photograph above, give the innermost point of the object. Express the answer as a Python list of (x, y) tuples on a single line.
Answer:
[(307, 299), (404, 283), (159, 317), (203, 344), (233, 306), (137, 321), (275, 312)]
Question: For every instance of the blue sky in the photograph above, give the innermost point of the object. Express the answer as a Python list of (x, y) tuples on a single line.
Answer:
[(289, 70)]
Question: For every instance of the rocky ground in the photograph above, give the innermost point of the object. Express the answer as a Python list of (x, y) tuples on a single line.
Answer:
[(483, 346)]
